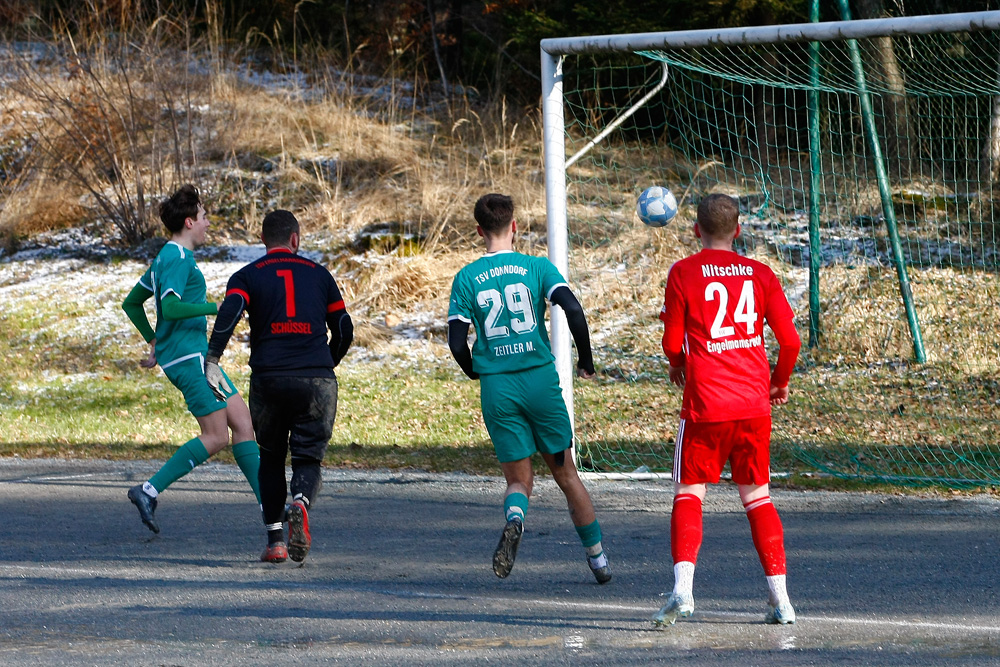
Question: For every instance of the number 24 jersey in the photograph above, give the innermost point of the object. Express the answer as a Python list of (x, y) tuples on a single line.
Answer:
[(722, 299)]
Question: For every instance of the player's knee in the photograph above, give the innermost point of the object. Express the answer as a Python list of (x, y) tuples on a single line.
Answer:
[(214, 442), (566, 477)]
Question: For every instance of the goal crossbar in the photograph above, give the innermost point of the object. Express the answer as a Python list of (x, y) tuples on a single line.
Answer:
[(794, 32)]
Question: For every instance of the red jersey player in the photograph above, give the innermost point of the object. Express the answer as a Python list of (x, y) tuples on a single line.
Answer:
[(714, 309)]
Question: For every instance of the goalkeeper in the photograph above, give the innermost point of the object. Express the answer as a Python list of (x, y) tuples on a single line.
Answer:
[(179, 346), (291, 302), (714, 309)]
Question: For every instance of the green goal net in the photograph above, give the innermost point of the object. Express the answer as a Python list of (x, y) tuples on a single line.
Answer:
[(866, 175)]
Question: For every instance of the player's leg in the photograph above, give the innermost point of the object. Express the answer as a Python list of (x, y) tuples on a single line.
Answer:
[(245, 449), (272, 423), (189, 377), (310, 435), (769, 541), (501, 398), (697, 462), (581, 512), (520, 482), (685, 541), (543, 407), (750, 462)]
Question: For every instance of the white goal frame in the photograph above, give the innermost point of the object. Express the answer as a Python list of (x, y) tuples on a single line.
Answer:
[(554, 131)]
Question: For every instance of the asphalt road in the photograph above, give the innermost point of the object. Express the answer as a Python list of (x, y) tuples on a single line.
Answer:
[(400, 573)]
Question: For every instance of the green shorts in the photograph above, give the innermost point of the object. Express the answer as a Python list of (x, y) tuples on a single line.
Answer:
[(525, 412), (188, 375)]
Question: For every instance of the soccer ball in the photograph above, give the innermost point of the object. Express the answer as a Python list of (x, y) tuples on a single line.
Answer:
[(656, 206)]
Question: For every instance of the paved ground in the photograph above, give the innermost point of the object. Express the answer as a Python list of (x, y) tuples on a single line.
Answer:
[(400, 574)]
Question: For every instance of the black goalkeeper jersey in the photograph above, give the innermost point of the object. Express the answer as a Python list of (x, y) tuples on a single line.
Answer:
[(289, 301)]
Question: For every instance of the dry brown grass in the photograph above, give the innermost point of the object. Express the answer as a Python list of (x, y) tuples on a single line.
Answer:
[(863, 313), (41, 205)]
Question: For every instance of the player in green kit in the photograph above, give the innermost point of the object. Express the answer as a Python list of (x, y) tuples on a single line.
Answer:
[(503, 295), (179, 345)]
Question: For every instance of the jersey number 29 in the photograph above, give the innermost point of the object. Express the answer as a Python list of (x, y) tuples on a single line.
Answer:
[(517, 298)]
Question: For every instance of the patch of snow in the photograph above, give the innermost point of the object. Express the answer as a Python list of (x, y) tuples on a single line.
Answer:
[(77, 268)]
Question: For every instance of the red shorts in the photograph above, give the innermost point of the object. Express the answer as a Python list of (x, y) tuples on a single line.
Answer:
[(703, 448)]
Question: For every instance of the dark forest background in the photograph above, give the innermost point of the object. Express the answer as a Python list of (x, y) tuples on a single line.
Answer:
[(490, 46)]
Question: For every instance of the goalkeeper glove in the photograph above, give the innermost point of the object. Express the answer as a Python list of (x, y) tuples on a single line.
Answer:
[(216, 379)]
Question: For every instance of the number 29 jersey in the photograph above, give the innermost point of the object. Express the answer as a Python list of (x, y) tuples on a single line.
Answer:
[(503, 295), (722, 300)]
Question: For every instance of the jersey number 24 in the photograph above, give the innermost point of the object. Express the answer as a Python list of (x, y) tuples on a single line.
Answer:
[(744, 314)]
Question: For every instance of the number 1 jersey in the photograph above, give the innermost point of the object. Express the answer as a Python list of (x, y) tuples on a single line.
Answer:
[(721, 300), (288, 298), (503, 295)]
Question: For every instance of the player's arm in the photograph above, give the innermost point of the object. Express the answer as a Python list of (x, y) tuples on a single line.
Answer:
[(132, 305), (673, 348), (174, 309), (341, 333), (229, 316), (672, 315), (789, 345), (458, 343), (563, 297), (230, 313)]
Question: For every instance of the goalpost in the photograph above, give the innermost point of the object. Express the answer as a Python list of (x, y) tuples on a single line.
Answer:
[(864, 155)]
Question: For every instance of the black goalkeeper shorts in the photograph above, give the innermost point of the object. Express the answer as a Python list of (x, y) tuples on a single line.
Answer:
[(293, 413)]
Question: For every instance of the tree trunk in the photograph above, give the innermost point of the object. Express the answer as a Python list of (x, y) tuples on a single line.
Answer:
[(897, 116), (894, 126), (990, 165), (437, 49), (453, 29)]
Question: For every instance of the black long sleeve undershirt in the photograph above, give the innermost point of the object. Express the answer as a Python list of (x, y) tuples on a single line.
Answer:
[(229, 316), (577, 322), (458, 343), (341, 334)]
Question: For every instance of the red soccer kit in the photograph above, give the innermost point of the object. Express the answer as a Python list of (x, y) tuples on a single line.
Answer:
[(715, 305)]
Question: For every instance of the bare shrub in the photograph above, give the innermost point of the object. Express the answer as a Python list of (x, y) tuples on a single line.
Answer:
[(109, 118)]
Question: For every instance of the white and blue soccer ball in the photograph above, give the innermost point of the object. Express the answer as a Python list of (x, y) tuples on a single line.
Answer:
[(656, 206)]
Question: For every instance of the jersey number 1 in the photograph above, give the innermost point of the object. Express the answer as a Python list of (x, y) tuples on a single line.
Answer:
[(745, 312), (286, 275)]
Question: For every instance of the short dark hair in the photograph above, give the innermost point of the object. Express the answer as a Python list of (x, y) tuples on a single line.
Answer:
[(718, 215), (278, 227), (180, 206), (494, 212)]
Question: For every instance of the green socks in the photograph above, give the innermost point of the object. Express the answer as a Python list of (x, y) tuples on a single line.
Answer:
[(590, 535), (187, 457), (192, 454), (515, 505), (247, 455)]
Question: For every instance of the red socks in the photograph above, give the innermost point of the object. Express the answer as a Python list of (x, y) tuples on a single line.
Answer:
[(685, 528), (768, 535)]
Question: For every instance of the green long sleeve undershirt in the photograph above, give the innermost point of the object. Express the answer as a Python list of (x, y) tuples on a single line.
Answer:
[(132, 305), (171, 306), (175, 309)]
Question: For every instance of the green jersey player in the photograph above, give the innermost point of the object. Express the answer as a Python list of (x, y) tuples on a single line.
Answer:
[(179, 345), (503, 296)]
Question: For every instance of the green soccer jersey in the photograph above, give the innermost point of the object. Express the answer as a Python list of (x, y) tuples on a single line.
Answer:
[(175, 271), (503, 296)]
